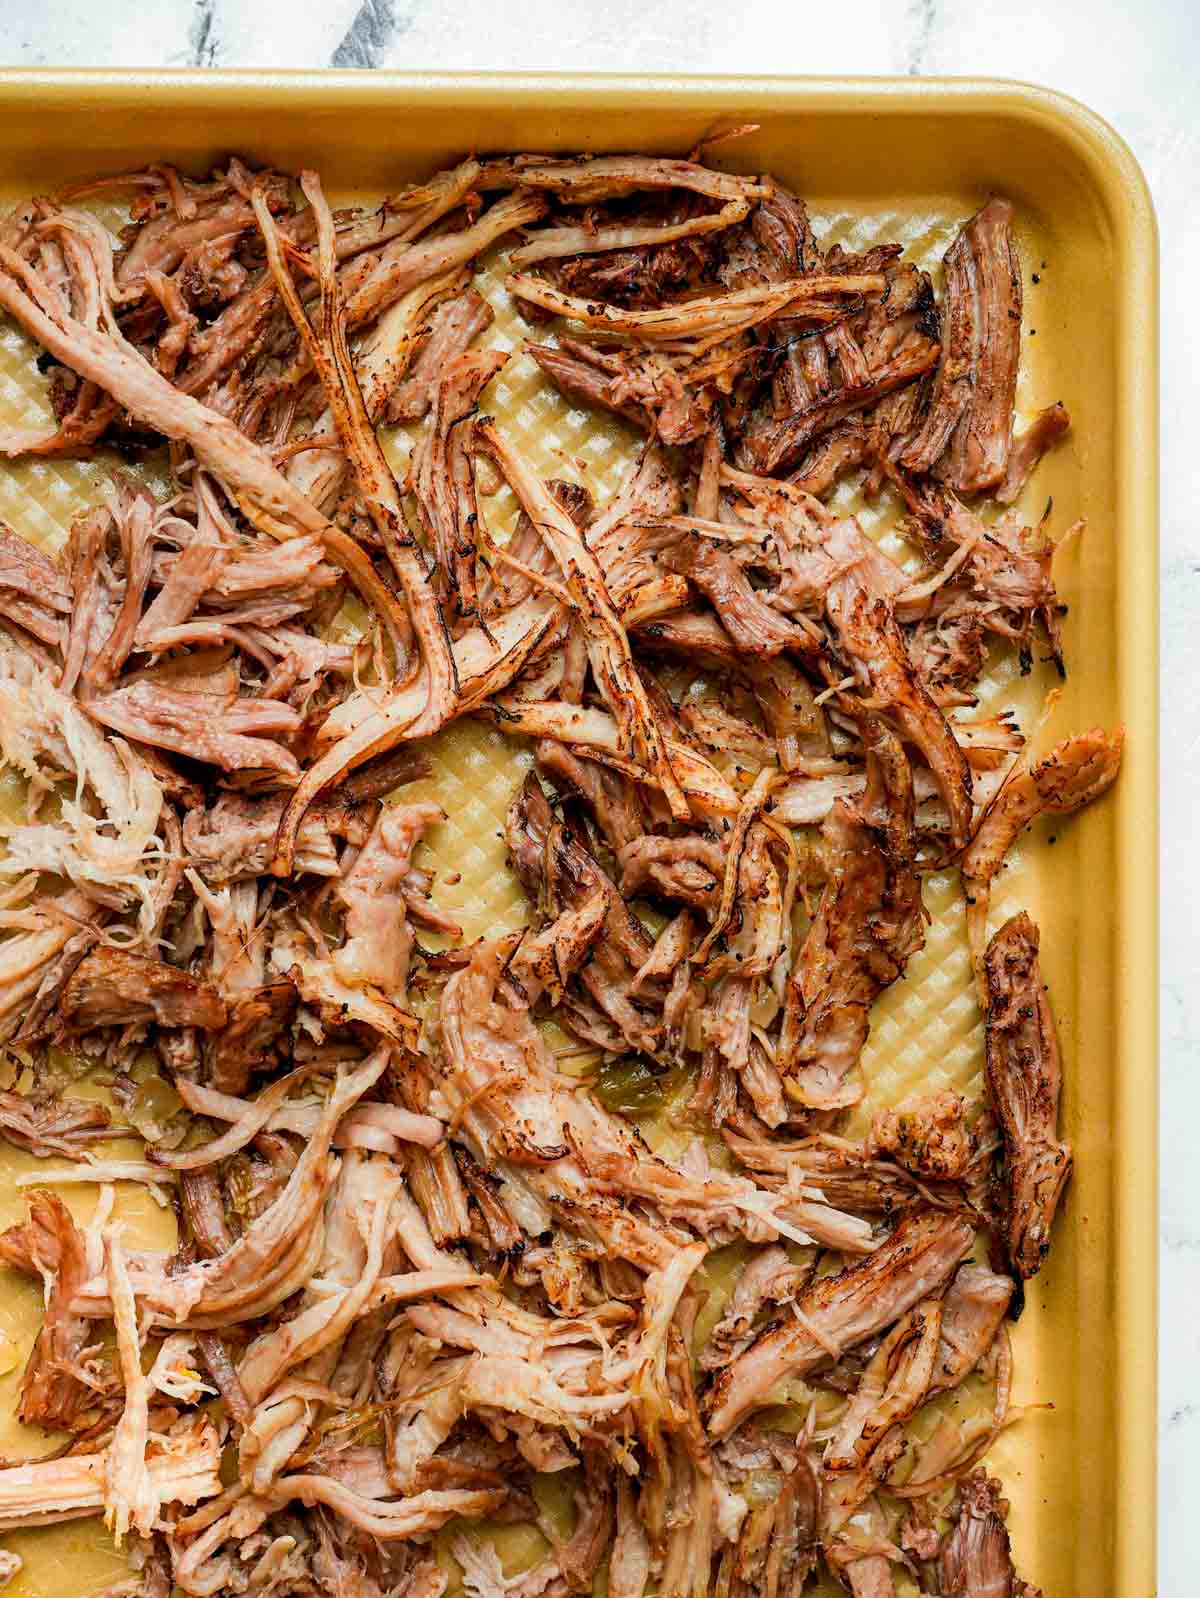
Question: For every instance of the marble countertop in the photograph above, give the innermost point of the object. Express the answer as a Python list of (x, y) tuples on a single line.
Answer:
[(1135, 65)]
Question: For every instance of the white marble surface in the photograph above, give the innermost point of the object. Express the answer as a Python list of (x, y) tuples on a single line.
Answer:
[(1134, 63)]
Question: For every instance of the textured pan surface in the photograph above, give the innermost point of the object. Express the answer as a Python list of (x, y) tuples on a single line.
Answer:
[(876, 162)]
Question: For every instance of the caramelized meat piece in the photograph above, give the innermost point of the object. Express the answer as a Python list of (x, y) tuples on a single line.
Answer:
[(869, 924), (453, 328), (844, 1172), (648, 390), (1076, 771), (976, 1557), (824, 383), (757, 629), (111, 988), (53, 1392), (558, 872), (1024, 1078), (974, 1307), (1047, 428), (874, 647), (839, 1312), (926, 1135), (234, 839), (838, 452), (967, 434), (443, 480), (32, 591)]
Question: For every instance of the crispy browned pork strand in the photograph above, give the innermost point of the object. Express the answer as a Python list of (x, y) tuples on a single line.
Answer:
[(1024, 1078), (1071, 775), (840, 1312), (870, 922), (457, 1227)]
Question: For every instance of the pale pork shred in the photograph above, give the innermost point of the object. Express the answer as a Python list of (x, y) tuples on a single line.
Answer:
[(433, 1275)]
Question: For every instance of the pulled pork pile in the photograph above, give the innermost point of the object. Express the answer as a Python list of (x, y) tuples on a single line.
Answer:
[(431, 1260)]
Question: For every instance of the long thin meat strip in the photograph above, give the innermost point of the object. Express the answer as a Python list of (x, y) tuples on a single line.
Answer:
[(1076, 771), (966, 436), (608, 644), (245, 466), (1024, 1078)]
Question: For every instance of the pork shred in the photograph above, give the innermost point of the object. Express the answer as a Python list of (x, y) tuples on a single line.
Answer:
[(583, 1223), (976, 1557), (869, 924), (966, 436), (111, 988), (1076, 771), (58, 1391), (839, 1312)]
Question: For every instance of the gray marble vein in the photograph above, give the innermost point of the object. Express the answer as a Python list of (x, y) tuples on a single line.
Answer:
[(204, 45), (369, 37)]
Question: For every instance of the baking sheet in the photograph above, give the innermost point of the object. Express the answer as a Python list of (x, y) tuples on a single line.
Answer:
[(875, 162)]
